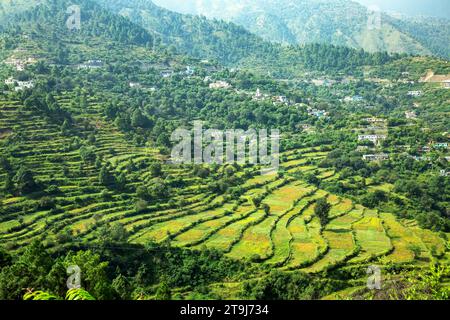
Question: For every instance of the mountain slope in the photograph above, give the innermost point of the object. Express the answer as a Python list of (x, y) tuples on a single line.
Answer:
[(235, 46), (196, 36), (339, 22)]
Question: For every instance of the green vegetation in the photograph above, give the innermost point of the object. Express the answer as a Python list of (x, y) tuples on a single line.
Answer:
[(85, 176)]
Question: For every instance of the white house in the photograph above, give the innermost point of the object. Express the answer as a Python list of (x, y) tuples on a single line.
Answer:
[(415, 93), (91, 64), (372, 137), (376, 157), (10, 81), (22, 85), (135, 85), (446, 84), (374, 120)]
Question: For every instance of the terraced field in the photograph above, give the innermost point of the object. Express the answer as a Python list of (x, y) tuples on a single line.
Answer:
[(283, 231)]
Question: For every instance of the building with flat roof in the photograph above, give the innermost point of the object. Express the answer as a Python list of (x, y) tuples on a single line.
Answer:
[(376, 157)]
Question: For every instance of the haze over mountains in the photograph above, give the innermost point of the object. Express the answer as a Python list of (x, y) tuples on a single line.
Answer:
[(340, 22)]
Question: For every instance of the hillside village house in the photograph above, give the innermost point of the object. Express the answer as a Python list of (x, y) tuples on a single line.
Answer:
[(259, 95), (166, 73), (425, 149), (374, 120), (317, 113), (135, 85), (19, 85), (374, 128), (353, 99), (410, 115), (91, 64), (372, 137), (362, 148), (441, 146), (281, 99), (219, 85), (421, 158), (376, 157), (10, 81), (189, 71), (417, 93), (446, 84)]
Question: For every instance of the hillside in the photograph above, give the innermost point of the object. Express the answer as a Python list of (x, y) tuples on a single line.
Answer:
[(234, 46), (339, 22)]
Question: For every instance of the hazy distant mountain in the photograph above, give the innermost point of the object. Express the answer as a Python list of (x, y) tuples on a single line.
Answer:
[(432, 8), (340, 22)]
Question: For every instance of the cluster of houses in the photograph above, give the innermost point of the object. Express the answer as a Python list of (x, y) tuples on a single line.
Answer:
[(19, 85), (20, 64), (137, 85)]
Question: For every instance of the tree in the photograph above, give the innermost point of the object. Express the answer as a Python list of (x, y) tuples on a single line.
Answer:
[(163, 292), (121, 287), (9, 184), (113, 233), (87, 154), (93, 271), (142, 192), (256, 202), (141, 205), (105, 177), (65, 127), (266, 208), (24, 181), (138, 120), (322, 209), (30, 270), (121, 181), (156, 169)]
